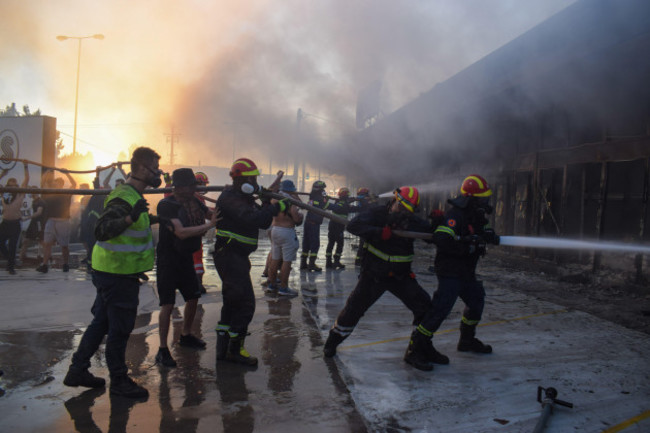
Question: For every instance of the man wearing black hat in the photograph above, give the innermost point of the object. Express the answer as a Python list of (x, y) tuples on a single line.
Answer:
[(185, 223)]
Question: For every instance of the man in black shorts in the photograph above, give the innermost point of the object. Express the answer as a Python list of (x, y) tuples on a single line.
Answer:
[(184, 218)]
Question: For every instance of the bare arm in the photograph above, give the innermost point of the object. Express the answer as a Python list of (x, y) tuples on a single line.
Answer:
[(26, 179), (188, 232), (73, 183)]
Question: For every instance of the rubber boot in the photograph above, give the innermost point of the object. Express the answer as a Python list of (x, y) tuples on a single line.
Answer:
[(313, 267), (337, 263), (236, 352), (333, 340), (432, 354), (303, 262), (469, 343), (416, 352), (223, 338), (328, 262)]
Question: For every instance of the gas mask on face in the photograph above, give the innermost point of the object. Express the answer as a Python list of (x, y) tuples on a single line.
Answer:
[(483, 205), (155, 181), (249, 186)]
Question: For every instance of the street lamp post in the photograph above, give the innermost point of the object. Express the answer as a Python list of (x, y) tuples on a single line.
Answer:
[(76, 97)]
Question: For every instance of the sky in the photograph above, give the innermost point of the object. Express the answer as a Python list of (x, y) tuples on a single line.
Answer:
[(229, 77)]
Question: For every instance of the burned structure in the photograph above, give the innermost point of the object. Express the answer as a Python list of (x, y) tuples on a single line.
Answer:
[(558, 120)]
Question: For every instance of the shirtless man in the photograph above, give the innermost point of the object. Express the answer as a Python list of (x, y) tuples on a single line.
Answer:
[(284, 242)]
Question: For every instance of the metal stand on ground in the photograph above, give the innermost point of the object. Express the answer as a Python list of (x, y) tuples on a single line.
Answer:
[(549, 400)]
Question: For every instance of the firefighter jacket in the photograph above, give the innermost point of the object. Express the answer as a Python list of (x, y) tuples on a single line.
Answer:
[(317, 199), (452, 239), (241, 221), (341, 207), (386, 258)]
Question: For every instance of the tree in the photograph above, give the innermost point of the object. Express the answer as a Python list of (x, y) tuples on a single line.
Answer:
[(11, 111)]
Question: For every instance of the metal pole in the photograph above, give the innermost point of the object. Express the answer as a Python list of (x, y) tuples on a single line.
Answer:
[(76, 101)]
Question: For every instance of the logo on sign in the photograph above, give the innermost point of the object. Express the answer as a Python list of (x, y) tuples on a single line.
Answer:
[(9, 149)]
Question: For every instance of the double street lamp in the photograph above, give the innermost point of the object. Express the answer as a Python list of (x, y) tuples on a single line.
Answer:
[(76, 98)]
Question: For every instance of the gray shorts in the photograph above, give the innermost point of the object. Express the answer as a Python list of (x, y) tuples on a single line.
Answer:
[(57, 229), (284, 244)]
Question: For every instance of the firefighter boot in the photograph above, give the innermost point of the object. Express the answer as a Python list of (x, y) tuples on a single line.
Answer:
[(236, 352), (416, 352), (313, 267), (337, 263), (223, 337), (303, 262), (469, 343), (333, 340), (328, 262)]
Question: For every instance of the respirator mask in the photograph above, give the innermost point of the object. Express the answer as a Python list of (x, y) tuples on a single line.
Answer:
[(249, 186)]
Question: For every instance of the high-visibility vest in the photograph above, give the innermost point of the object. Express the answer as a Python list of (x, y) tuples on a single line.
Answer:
[(131, 252)]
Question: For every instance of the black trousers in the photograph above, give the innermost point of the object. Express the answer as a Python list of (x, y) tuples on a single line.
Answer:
[(335, 238), (9, 234), (114, 311), (237, 290), (449, 290), (311, 239), (369, 289)]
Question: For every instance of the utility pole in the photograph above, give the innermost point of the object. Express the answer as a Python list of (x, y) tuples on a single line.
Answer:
[(298, 152), (171, 137)]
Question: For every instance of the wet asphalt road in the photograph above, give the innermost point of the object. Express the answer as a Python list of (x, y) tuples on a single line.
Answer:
[(294, 389)]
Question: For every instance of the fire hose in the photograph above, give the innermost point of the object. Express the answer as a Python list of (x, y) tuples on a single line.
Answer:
[(513, 241), (548, 402)]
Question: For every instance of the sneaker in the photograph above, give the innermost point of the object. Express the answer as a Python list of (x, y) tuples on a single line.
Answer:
[(84, 378), (42, 268), (125, 386), (66, 268), (190, 340), (164, 358), (271, 288), (285, 291)]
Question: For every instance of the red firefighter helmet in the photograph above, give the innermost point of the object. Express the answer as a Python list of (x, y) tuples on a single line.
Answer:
[(408, 196), (343, 192), (475, 186), (363, 191), (201, 178), (244, 167)]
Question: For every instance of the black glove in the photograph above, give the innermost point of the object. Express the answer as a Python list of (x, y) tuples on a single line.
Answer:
[(139, 207), (265, 195), (476, 245), (491, 237), (278, 207)]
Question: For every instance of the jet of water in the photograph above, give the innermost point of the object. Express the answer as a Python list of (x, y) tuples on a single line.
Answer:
[(572, 244)]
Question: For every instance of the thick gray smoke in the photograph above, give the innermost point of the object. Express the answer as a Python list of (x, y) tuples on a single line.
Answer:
[(317, 56)]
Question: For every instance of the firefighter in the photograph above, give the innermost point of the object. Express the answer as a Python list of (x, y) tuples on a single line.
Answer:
[(236, 239), (386, 266), (341, 207), (364, 201), (311, 231), (461, 240)]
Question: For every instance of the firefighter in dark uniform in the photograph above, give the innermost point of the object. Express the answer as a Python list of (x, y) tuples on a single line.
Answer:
[(460, 240), (236, 239), (386, 266), (311, 230), (341, 207), (364, 201)]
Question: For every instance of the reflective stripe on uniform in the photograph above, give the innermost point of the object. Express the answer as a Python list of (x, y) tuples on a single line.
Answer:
[(445, 229), (126, 248), (237, 237), (386, 257)]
